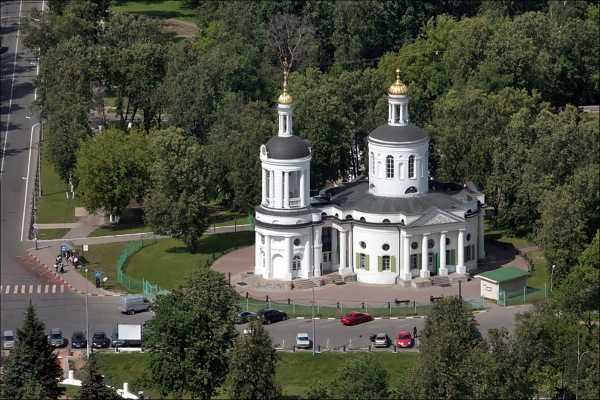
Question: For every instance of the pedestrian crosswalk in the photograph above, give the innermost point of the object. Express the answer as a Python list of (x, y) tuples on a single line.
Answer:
[(33, 289)]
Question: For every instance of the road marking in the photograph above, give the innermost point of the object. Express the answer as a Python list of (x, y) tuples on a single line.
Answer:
[(22, 288), (39, 289), (30, 289), (46, 288), (16, 289), (7, 289), (53, 288)]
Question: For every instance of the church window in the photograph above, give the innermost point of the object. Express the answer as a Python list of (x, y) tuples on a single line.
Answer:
[(262, 239), (385, 247), (372, 163), (411, 189), (414, 245), (468, 237), (362, 263), (389, 162), (430, 244), (411, 166), (296, 242), (414, 261), (447, 241), (362, 245), (386, 221), (362, 219), (385, 263), (296, 264)]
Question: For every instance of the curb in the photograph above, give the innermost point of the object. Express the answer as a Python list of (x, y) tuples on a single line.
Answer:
[(67, 283)]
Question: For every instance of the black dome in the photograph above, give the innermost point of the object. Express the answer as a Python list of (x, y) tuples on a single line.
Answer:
[(287, 147), (398, 134)]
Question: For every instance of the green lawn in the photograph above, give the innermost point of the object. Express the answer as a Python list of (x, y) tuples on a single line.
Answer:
[(162, 9), (104, 257), (166, 262), (294, 373), (47, 234), (53, 206), (501, 236), (131, 222)]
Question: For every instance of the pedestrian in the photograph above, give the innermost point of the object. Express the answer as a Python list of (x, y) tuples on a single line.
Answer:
[(414, 331), (97, 282), (62, 268), (58, 259), (75, 261), (56, 268)]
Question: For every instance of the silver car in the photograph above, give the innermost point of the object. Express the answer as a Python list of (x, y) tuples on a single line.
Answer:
[(56, 338), (382, 340)]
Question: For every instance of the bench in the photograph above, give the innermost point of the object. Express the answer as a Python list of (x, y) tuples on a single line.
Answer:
[(434, 299), (400, 302)]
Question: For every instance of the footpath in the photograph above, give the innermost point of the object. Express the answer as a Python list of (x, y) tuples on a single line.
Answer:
[(237, 266)]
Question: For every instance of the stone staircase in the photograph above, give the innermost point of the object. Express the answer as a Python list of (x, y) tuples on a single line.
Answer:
[(329, 279), (440, 281)]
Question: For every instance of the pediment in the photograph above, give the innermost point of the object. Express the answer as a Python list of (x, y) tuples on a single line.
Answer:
[(436, 217)]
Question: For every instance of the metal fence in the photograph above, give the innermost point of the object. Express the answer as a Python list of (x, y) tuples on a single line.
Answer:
[(522, 296), (149, 289), (336, 309)]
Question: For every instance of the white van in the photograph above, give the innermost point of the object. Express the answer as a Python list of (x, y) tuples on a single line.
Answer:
[(134, 303), (8, 340)]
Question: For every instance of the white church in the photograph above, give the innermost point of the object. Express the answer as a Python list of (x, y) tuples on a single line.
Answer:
[(394, 226)]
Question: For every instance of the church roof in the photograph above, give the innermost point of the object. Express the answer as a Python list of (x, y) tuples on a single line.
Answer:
[(357, 197), (398, 87), (287, 148), (398, 134)]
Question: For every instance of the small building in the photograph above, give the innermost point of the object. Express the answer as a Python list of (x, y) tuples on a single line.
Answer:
[(507, 279)]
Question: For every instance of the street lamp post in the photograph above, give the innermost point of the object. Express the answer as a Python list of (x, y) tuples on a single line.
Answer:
[(313, 313), (87, 320), (579, 357), (552, 277)]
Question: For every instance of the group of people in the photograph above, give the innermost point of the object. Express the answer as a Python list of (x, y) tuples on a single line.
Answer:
[(59, 265)]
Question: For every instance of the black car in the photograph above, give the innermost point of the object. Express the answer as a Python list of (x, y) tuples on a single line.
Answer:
[(78, 340), (100, 340), (269, 316)]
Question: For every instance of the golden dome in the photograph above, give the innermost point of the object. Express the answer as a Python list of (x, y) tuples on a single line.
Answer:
[(398, 87), (285, 98)]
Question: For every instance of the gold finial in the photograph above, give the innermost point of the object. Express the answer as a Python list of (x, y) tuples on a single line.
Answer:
[(398, 87), (285, 98)]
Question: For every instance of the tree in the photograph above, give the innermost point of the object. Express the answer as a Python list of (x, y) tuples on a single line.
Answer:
[(93, 386), (253, 365), (446, 344), (361, 377), (189, 335), (31, 370), (289, 38), (112, 168), (176, 203)]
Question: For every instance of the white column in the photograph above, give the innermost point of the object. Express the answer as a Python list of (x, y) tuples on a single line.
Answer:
[(286, 190), (480, 236), (424, 257), (343, 255), (317, 251), (460, 265), (257, 261), (307, 261), (272, 188), (443, 267), (303, 201), (265, 182), (268, 258), (405, 274), (350, 248), (288, 256)]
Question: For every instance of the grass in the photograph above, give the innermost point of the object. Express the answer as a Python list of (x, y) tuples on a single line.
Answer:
[(166, 262), (72, 391), (295, 371), (47, 234), (131, 222), (53, 206), (104, 258), (156, 8), (500, 236)]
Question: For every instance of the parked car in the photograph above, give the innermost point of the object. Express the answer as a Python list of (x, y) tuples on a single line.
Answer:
[(56, 338), (355, 317), (133, 303), (302, 341), (100, 340), (244, 317), (381, 340), (8, 340), (477, 336), (269, 316), (405, 339), (78, 340)]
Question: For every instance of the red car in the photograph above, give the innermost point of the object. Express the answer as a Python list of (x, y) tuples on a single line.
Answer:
[(354, 317), (404, 339)]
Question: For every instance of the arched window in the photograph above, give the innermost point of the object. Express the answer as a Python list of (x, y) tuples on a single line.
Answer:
[(296, 263), (411, 189), (389, 166), (372, 163), (411, 166)]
